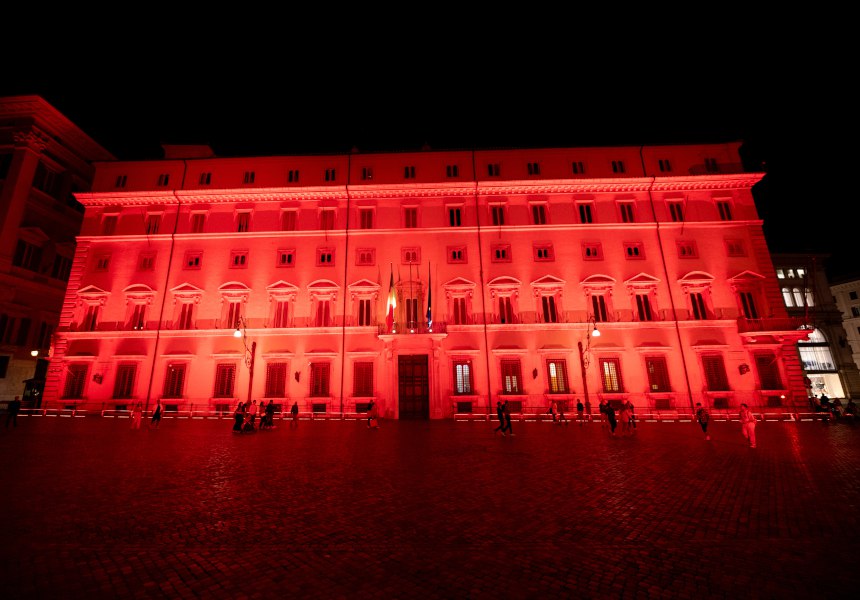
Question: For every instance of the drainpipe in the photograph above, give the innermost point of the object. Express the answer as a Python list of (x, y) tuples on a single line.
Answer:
[(481, 281), (345, 284), (666, 274)]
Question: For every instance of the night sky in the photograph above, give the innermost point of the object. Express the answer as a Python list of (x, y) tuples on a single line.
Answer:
[(245, 109)]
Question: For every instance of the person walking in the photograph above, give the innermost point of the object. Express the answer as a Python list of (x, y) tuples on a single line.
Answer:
[(604, 418), (136, 415), (12, 411), (588, 409), (702, 417), (580, 410), (553, 410), (609, 414), (252, 413), (239, 417), (500, 414), (156, 415), (507, 427), (748, 421), (624, 417), (631, 415), (270, 414), (294, 411), (373, 415)]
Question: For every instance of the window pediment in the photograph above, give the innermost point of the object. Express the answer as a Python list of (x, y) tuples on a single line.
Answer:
[(642, 281), (282, 290), (186, 291), (598, 284), (235, 290)]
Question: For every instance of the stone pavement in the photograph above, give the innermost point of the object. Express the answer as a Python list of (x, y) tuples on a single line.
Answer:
[(93, 509)]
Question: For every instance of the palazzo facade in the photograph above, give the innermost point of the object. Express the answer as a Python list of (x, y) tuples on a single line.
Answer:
[(432, 282)]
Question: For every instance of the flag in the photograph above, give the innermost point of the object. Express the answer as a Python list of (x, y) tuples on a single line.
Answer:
[(429, 299), (392, 303)]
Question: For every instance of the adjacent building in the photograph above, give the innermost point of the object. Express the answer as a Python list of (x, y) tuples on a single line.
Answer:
[(433, 283), (44, 161), (846, 294)]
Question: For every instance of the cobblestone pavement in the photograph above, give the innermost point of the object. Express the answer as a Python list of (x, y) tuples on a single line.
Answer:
[(443, 509)]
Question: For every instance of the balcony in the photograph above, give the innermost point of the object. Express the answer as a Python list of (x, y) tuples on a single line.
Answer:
[(770, 326), (419, 328)]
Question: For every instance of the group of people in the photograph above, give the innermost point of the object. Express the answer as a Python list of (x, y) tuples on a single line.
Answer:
[(626, 416), (245, 415), (503, 412), (745, 416), (833, 406)]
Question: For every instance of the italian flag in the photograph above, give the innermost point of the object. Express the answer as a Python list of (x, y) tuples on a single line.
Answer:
[(392, 303)]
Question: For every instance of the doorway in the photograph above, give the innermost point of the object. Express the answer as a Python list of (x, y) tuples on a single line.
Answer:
[(413, 386)]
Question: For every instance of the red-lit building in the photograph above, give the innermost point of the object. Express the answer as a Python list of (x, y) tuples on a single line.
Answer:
[(502, 265)]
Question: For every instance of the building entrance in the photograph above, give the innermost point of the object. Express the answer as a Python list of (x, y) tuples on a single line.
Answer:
[(413, 386)]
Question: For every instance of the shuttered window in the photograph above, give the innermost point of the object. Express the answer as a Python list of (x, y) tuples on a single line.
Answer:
[(76, 377), (462, 377), (225, 377), (658, 374), (610, 371), (362, 382), (123, 387), (276, 380), (556, 375), (511, 377), (319, 380), (715, 372), (768, 371), (174, 381)]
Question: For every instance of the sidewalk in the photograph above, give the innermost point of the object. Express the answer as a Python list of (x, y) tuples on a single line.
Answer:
[(439, 509)]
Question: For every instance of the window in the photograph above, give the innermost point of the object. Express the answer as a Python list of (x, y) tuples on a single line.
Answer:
[(225, 377), (533, 168), (687, 249), (658, 374), (123, 387), (174, 381), (325, 257), (787, 298), (539, 214), (500, 253), (506, 311), (288, 220), (102, 262), (365, 218), (585, 215), (76, 378), (233, 314), (725, 210), (463, 377), (411, 306), (364, 306), (249, 177), (198, 222), (735, 248), (109, 224), (319, 380), (457, 254), (592, 251), (610, 372), (366, 173), (410, 217), (548, 311), (748, 308), (205, 178), (121, 180), (409, 172), (163, 179), (768, 371), (494, 169), (452, 171), (715, 373), (365, 257), (186, 316), (28, 256), (293, 176), (643, 307), (497, 214), (153, 222), (711, 165), (323, 316), (460, 315), (598, 308), (243, 222), (330, 174), (286, 257), (362, 380), (511, 376), (327, 219), (543, 253), (626, 209), (676, 211), (62, 267), (617, 166), (23, 332), (697, 302), (634, 250), (91, 318), (281, 315), (276, 380), (556, 376), (664, 165), (852, 295), (577, 168), (455, 216), (238, 259), (410, 256), (138, 316)]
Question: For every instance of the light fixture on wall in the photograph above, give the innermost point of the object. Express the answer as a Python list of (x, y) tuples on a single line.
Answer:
[(584, 354), (250, 351)]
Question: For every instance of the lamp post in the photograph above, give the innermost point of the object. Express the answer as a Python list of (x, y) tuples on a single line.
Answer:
[(592, 331), (250, 353)]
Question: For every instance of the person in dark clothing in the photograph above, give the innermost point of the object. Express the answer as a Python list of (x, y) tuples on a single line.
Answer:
[(507, 412), (239, 417), (370, 412), (500, 413), (156, 416), (610, 416), (703, 418), (12, 411)]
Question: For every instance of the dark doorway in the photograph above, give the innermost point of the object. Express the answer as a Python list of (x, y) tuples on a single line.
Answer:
[(413, 386)]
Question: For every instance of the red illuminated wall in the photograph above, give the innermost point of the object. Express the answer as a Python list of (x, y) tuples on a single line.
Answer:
[(516, 250)]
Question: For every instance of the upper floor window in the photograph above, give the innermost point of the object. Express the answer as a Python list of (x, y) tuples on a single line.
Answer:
[(27, 256), (500, 253), (725, 210), (330, 174), (585, 213), (238, 259), (121, 181), (293, 176), (409, 172), (146, 261), (634, 250), (249, 177), (153, 223), (577, 167), (193, 259), (365, 257), (365, 218), (102, 262), (455, 216), (205, 178), (459, 311), (664, 165), (626, 209), (592, 251), (711, 165), (288, 220), (543, 253), (533, 168), (410, 217), (497, 213), (493, 169), (549, 314), (748, 307), (198, 222), (286, 258), (243, 222), (617, 166), (411, 255), (676, 211), (643, 307), (109, 224), (456, 254), (327, 219), (698, 306), (61, 268), (598, 308), (163, 179), (687, 249), (452, 171), (539, 214), (735, 248), (325, 257), (366, 173)]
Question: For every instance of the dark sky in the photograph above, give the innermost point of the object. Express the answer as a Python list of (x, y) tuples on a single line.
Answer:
[(295, 107)]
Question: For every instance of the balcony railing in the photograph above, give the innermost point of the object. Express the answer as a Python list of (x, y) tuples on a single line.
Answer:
[(418, 329), (773, 325)]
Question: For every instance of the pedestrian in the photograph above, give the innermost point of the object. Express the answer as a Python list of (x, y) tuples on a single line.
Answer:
[(270, 414), (609, 414), (604, 419), (553, 410), (562, 418), (624, 417), (370, 406), (294, 411), (507, 412), (703, 417), (588, 409), (136, 415), (252, 413), (632, 415), (580, 409), (500, 414), (239, 417), (12, 411), (748, 421), (156, 415), (373, 419)]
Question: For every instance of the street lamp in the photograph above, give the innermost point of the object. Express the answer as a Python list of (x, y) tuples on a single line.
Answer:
[(250, 353), (591, 331)]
